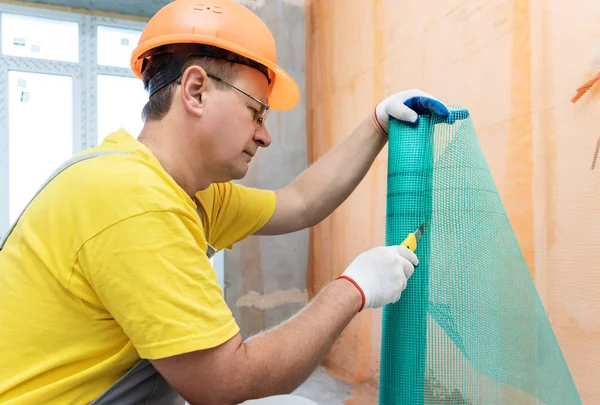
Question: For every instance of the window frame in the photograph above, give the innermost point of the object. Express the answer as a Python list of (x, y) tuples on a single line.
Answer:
[(83, 73), (85, 90)]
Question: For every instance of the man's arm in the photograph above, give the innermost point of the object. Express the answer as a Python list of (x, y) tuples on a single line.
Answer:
[(272, 363), (325, 185), (278, 361)]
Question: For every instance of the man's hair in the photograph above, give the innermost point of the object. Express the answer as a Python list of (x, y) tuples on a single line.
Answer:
[(159, 104)]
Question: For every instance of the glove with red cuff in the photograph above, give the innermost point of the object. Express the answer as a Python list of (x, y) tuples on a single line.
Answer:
[(381, 274)]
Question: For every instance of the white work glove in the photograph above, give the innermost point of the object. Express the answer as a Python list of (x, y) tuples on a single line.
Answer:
[(406, 106), (381, 274)]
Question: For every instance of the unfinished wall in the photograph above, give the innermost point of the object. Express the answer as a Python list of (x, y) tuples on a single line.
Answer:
[(515, 64), (265, 277)]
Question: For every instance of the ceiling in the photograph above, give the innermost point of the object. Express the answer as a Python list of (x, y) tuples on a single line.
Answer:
[(141, 8)]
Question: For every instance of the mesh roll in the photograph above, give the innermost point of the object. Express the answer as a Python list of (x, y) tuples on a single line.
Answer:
[(470, 327)]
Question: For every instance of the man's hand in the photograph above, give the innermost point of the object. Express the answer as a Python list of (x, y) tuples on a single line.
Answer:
[(381, 274), (406, 106)]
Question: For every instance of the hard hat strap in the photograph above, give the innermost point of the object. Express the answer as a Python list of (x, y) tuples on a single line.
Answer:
[(180, 54)]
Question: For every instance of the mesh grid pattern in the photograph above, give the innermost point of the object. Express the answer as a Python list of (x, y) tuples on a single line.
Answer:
[(470, 328)]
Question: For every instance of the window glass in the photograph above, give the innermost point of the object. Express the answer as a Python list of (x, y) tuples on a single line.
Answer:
[(115, 45), (120, 104), (40, 134), (41, 38)]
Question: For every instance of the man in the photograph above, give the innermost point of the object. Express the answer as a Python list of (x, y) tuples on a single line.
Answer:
[(108, 294)]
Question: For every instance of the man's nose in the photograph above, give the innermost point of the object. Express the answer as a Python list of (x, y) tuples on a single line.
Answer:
[(262, 137)]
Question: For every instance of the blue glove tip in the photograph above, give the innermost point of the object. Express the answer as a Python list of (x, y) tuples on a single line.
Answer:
[(427, 106)]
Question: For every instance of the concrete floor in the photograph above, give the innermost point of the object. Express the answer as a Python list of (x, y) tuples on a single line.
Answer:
[(323, 389), (320, 388)]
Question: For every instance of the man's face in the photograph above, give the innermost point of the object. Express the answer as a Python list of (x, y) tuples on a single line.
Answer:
[(232, 124)]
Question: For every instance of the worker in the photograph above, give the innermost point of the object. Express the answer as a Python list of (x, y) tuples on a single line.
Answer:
[(108, 293)]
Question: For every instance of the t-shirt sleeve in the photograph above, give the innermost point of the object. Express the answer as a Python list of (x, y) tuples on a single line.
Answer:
[(240, 212), (152, 274)]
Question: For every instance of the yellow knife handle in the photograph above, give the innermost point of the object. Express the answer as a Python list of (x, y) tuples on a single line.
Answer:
[(410, 242)]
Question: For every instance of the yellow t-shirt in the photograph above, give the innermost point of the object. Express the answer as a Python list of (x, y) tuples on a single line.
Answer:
[(107, 265)]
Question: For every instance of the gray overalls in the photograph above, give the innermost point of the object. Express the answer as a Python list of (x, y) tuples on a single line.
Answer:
[(142, 384)]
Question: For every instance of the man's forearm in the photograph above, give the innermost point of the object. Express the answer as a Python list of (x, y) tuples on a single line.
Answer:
[(328, 182), (279, 360)]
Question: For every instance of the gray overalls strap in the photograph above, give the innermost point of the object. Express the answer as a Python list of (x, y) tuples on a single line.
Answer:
[(142, 384)]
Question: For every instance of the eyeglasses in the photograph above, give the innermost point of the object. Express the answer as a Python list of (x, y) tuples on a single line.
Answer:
[(260, 115)]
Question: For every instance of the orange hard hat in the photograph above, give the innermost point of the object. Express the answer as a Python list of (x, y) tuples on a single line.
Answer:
[(221, 25)]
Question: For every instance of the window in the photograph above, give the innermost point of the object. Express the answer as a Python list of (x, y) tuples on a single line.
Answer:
[(40, 132), (41, 38), (58, 103)]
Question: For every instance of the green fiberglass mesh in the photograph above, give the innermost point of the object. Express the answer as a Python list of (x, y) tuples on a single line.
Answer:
[(470, 328)]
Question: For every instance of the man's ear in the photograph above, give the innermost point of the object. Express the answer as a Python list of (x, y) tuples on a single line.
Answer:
[(194, 86)]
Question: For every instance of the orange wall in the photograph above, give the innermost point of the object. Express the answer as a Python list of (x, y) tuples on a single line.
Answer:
[(515, 64)]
